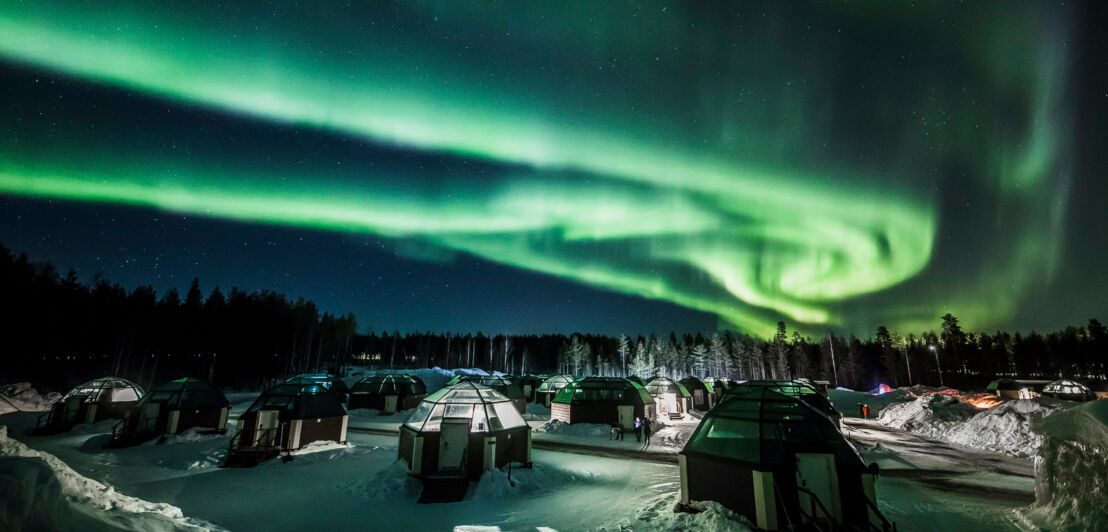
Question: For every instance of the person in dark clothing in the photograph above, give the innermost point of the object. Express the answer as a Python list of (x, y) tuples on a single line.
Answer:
[(638, 428), (646, 433)]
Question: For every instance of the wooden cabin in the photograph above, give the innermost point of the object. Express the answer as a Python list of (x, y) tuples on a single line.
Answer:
[(530, 384), (463, 430), (91, 402), (387, 392), (286, 418), (671, 399), (549, 388), (171, 408), (602, 400), (704, 395)]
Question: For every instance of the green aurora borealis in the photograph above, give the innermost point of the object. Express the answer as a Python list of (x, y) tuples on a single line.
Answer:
[(758, 162)]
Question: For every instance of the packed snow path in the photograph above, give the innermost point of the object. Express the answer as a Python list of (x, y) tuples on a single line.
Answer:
[(928, 484)]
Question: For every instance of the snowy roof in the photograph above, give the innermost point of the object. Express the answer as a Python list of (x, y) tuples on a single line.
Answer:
[(487, 409), (187, 393), (390, 384), (760, 425), (500, 383), (613, 389), (697, 382), (118, 390), (555, 383), (299, 401), (658, 385)]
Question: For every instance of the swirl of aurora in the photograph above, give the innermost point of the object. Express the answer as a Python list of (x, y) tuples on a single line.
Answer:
[(617, 158)]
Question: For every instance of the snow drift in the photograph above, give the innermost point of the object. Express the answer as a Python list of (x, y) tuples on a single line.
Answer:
[(21, 397), (949, 416), (1071, 470), (583, 430), (659, 514), (39, 491)]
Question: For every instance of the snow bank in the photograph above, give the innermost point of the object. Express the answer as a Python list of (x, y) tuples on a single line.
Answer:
[(321, 446), (81, 503), (539, 478), (1071, 471), (1005, 428), (930, 415), (100, 427), (32, 499), (584, 430), (389, 484), (188, 436), (659, 514), (21, 397)]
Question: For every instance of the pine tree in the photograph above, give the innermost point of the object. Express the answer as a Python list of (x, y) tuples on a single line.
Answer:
[(624, 350), (720, 358), (779, 349), (580, 355), (699, 356), (889, 357)]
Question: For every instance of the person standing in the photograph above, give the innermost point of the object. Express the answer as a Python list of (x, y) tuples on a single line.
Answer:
[(638, 428), (646, 433)]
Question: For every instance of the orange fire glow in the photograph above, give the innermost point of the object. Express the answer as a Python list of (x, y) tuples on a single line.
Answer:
[(983, 402)]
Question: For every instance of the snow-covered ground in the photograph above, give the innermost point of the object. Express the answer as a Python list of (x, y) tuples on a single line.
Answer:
[(330, 488), (668, 438), (925, 484), (373, 419), (22, 397)]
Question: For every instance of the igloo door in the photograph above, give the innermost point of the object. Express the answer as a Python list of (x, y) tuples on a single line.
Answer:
[(816, 473), (627, 416), (453, 441), (670, 401)]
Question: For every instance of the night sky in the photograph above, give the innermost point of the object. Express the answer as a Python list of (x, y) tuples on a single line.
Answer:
[(545, 167)]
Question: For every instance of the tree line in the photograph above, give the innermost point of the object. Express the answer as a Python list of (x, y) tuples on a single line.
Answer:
[(59, 331)]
